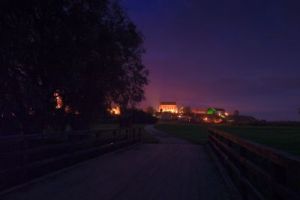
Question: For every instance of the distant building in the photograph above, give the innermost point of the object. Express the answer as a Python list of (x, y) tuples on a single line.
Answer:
[(199, 111), (217, 111), (170, 107), (215, 115)]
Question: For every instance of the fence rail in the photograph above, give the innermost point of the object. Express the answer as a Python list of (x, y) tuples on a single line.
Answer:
[(25, 157), (258, 171)]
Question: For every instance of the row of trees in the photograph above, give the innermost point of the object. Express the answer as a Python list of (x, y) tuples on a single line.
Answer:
[(81, 54)]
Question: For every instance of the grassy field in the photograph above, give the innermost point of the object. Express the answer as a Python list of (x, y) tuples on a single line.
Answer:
[(283, 138), (193, 133)]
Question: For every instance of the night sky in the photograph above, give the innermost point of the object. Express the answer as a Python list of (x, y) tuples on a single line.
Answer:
[(235, 54)]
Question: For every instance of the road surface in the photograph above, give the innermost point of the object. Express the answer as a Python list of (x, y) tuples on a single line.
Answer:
[(173, 169)]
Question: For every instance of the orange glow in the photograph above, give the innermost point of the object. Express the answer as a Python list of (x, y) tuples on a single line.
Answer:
[(213, 120), (218, 121), (58, 100), (199, 111), (116, 110)]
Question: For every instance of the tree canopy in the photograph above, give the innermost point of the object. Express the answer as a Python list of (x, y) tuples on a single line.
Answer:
[(88, 53)]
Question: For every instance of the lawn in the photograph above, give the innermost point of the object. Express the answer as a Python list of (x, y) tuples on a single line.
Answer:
[(282, 138), (193, 133)]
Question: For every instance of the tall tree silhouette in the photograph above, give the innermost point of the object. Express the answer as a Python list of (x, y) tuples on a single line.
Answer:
[(88, 51)]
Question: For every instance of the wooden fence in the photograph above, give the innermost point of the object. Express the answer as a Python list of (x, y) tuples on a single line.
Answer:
[(259, 172), (23, 158)]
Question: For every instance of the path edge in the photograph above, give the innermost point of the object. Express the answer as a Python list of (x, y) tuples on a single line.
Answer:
[(60, 171), (234, 192)]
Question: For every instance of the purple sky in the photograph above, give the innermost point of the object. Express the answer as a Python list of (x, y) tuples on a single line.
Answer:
[(242, 54)]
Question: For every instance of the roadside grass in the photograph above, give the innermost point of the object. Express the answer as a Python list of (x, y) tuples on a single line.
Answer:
[(193, 133), (146, 137), (283, 138)]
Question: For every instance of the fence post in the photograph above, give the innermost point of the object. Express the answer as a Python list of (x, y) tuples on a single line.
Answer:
[(129, 134), (114, 136), (126, 133), (140, 135), (293, 175), (257, 166), (135, 135), (24, 157)]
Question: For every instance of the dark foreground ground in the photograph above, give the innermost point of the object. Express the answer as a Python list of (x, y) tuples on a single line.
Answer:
[(173, 169)]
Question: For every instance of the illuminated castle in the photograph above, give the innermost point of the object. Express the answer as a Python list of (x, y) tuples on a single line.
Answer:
[(170, 107)]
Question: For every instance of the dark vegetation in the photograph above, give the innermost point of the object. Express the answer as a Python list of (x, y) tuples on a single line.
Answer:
[(136, 116), (84, 53)]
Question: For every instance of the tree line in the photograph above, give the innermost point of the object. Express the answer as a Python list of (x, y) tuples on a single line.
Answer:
[(65, 62)]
